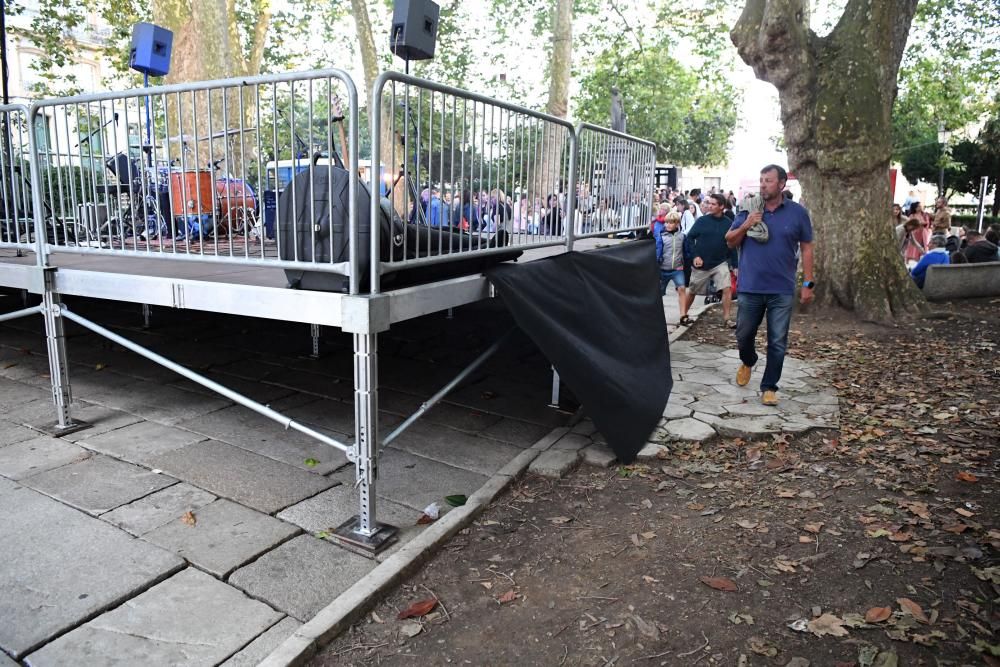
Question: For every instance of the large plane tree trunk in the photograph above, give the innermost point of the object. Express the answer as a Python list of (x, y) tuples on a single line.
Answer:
[(207, 46), (553, 137), (836, 94), (391, 153)]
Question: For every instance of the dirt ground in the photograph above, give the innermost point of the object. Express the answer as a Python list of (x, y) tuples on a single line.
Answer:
[(876, 544)]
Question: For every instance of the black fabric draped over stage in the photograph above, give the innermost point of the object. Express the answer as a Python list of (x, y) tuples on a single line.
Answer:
[(598, 317)]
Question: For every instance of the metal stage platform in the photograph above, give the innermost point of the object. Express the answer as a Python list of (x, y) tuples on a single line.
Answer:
[(124, 196)]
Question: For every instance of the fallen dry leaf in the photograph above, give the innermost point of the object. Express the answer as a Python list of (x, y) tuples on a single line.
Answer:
[(559, 520), (509, 596), (961, 511), (877, 614), (813, 528), (189, 518), (828, 624), (966, 477), (913, 609), (417, 609), (424, 520), (719, 583), (411, 628)]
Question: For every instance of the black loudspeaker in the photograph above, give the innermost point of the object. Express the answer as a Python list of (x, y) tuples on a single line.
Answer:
[(414, 29), (672, 178)]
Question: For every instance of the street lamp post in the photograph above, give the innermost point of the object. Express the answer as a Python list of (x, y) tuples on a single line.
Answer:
[(943, 140)]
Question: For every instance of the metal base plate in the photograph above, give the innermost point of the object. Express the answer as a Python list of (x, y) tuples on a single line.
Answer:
[(383, 536), (55, 430)]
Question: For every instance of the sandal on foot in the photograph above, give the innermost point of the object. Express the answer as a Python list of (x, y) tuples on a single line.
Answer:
[(686, 321)]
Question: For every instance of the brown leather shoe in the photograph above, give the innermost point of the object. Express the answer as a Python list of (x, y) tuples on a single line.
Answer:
[(769, 398), (743, 375)]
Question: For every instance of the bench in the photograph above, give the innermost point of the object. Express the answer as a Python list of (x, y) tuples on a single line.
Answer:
[(962, 281)]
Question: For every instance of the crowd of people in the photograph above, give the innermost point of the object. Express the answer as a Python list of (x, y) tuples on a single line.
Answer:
[(491, 211), (925, 239)]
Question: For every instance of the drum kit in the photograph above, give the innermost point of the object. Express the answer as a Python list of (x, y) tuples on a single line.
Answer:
[(202, 201)]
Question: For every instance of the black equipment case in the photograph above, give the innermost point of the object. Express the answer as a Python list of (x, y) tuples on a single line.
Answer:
[(321, 194)]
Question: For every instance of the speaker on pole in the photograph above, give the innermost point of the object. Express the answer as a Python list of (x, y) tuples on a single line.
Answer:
[(414, 29)]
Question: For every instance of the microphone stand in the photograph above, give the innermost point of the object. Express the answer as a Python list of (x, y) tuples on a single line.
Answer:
[(86, 139)]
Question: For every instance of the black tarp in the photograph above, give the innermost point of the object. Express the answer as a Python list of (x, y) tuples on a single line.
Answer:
[(598, 317)]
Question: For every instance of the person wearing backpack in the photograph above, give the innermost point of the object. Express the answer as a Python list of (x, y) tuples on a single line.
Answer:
[(670, 256)]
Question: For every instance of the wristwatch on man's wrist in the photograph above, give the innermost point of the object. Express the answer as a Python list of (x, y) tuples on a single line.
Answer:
[(810, 284)]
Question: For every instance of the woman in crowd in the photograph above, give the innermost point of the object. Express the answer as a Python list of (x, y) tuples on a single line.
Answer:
[(552, 221)]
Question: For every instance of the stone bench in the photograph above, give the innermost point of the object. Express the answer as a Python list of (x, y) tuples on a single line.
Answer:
[(962, 281)]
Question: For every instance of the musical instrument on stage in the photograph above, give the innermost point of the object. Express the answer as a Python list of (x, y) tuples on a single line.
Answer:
[(237, 204), (191, 192)]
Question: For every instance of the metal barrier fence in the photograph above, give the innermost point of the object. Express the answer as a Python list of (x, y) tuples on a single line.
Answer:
[(16, 220), (477, 175), (614, 182), (197, 171), (194, 171)]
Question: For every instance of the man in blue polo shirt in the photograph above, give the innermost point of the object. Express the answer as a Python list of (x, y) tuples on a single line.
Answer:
[(767, 277)]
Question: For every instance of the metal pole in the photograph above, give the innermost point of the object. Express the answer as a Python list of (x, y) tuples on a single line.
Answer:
[(20, 313), (366, 427), (983, 187), (555, 389), (315, 331), (205, 382), (444, 391), (363, 531), (56, 341)]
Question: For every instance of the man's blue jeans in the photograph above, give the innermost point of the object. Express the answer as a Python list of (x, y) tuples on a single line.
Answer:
[(752, 308)]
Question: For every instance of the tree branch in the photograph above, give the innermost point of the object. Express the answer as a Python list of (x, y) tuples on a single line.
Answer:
[(772, 37)]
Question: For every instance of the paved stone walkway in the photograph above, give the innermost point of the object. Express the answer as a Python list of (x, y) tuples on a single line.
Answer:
[(183, 529)]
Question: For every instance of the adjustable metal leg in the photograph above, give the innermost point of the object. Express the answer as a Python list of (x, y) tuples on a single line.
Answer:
[(58, 372), (363, 531), (450, 315), (315, 330), (555, 389), (146, 310)]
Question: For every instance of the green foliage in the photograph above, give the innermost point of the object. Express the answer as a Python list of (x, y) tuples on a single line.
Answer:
[(690, 118)]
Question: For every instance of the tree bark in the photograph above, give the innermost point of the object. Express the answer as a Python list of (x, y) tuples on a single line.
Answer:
[(836, 95), (369, 63), (553, 137)]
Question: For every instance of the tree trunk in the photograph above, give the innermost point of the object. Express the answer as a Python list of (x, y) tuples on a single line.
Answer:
[(836, 96), (553, 137), (370, 65), (207, 46)]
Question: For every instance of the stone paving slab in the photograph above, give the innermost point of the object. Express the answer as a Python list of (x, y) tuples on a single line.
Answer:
[(159, 508), (322, 513), (41, 453), (11, 433), (332, 415), (260, 648), (455, 448), (302, 575), (253, 480), (554, 463), (248, 430), (224, 536), (99, 420), (61, 567), (416, 481), (99, 484), (706, 400), (189, 619), (154, 401), (141, 442)]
